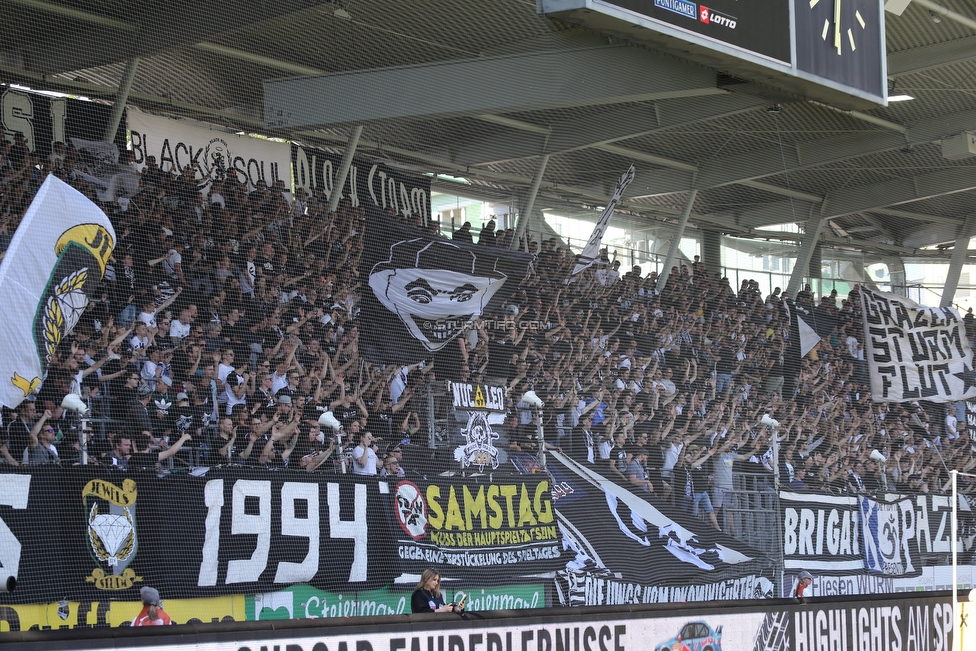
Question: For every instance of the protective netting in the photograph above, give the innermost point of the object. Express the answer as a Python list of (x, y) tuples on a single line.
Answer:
[(272, 384)]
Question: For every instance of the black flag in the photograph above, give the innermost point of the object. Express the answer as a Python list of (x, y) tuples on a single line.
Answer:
[(421, 291)]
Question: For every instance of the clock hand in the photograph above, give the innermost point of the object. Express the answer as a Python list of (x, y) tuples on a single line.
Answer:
[(837, 41)]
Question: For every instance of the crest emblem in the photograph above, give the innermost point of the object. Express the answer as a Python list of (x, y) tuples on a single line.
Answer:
[(112, 535), (217, 158), (83, 251), (480, 449)]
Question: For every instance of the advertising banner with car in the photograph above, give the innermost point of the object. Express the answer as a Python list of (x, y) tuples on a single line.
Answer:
[(891, 623)]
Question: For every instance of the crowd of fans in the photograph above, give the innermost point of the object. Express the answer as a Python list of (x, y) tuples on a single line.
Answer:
[(228, 322)]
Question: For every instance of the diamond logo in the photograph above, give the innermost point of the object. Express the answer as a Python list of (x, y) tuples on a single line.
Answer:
[(112, 535)]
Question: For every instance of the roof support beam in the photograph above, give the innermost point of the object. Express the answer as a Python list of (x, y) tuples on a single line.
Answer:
[(632, 154), (679, 231), (77, 14), (920, 59), (868, 197), (945, 12), (613, 125), (125, 86), (523, 218), (257, 59), (904, 214), (537, 80), (958, 259), (344, 166), (801, 268), (39, 81), (730, 169), (151, 27)]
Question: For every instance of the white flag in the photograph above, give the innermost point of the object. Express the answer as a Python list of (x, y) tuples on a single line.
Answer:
[(592, 248), (55, 260), (915, 352), (101, 168)]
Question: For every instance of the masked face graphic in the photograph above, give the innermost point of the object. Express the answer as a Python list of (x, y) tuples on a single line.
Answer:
[(436, 291)]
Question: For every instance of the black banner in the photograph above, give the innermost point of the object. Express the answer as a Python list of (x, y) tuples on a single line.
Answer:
[(376, 185), (914, 625), (856, 535), (44, 120), (628, 550), (91, 535), (425, 290), (477, 526)]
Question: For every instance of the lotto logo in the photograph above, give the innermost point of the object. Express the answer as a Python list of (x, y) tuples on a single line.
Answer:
[(710, 17)]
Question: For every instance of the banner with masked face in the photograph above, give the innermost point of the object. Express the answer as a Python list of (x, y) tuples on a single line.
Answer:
[(423, 290), (56, 259)]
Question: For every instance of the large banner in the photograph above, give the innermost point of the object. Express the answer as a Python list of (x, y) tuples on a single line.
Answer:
[(425, 290), (369, 184), (178, 143), (95, 535), (624, 549), (856, 535), (907, 623), (477, 525), (915, 352), (44, 120), (56, 258)]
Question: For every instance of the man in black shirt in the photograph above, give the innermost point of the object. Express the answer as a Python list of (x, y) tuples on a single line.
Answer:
[(18, 431), (137, 419)]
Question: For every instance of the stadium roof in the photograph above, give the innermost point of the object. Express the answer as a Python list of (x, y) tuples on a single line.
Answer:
[(453, 106)]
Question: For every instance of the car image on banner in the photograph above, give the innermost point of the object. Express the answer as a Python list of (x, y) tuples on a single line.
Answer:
[(694, 636)]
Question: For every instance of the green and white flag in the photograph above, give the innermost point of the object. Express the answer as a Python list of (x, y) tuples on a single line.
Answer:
[(55, 261)]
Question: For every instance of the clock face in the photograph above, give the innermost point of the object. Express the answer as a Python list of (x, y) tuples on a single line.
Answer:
[(841, 40)]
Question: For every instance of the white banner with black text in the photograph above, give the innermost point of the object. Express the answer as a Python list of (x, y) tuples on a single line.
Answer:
[(915, 352)]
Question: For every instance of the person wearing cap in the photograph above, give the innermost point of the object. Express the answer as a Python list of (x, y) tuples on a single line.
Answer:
[(152, 613), (803, 581), (284, 406)]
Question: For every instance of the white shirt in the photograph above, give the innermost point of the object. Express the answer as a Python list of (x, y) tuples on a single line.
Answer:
[(398, 385), (671, 458), (177, 329), (149, 318), (370, 467), (149, 369), (169, 264), (278, 382)]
